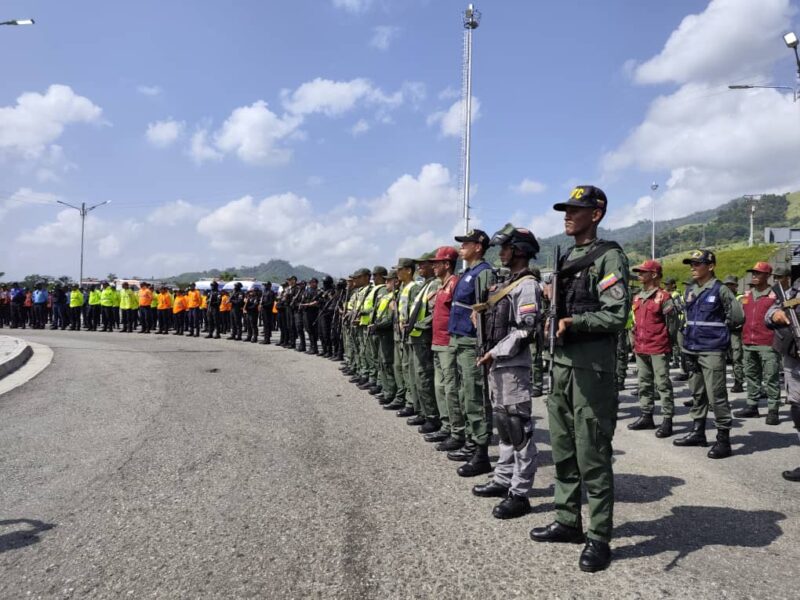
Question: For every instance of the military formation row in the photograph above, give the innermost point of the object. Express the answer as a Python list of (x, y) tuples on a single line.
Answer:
[(462, 354)]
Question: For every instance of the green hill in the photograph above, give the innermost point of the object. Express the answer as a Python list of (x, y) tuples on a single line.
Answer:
[(275, 270), (731, 260)]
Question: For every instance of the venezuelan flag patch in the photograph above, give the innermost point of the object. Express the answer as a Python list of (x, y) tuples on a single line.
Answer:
[(608, 281), (528, 309)]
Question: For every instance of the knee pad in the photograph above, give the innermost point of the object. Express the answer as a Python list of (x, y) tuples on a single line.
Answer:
[(513, 430)]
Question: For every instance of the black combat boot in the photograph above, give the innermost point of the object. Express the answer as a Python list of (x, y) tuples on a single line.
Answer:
[(464, 453), (478, 464), (436, 436), (696, 437), (558, 533), (665, 429), (793, 475), (681, 377), (365, 385), (431, 425), (416, 420), (722, 447), (450, 445), (512, 507), (406, 411), (596, 556), (645, 421), (384, 401), (491, 489), (748, 412), (396, 404), (737, 388), (773, 418)]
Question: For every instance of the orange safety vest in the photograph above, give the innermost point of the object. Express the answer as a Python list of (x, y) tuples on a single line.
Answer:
[(225, 303), (180, 304), (145, 297), (193, 299), (203, 302), (164, 301)]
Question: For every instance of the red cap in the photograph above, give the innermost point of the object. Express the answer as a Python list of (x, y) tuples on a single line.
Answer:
[(761, 267), (651, 266), (447, 253)]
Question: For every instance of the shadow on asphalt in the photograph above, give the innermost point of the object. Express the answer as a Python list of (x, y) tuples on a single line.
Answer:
[(692, 528), (23, 537), (641, 489), (759, 441)]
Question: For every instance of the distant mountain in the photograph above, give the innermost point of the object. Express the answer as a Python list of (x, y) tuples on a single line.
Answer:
[(276, 271), (726, 224)]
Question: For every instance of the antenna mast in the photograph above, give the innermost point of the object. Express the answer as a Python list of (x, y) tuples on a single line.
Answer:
[(471, 19)]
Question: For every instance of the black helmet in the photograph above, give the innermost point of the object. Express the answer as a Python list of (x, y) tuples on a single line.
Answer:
[(214, 285), (327, 281), (520, 239), (237, 285)]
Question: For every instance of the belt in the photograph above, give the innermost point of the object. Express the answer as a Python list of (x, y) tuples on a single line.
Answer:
[(462, 305)]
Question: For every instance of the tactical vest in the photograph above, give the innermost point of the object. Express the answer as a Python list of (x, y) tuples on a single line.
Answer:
[(576, 294), (369, 305), (423, 309), (705, 329), (755, 332), (463, 299), (500, 319), (402, 304)]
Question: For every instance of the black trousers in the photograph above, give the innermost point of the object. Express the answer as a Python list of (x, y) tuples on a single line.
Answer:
[(236, 323), (284, 337), (311, 320), (297, 330), (213, 321), (39, 315), (251, 325), (75, 316), (324, 329), (266, 318)]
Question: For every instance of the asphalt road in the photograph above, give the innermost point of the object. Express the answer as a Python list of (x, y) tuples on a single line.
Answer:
[(161, 467)]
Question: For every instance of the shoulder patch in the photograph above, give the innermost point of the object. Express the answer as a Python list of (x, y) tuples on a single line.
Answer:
[(528, 309), (607, 281), (617, 291)]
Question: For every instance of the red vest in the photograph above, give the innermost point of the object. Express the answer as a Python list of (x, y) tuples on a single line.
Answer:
[(650, 326), (755, 333), (441, 313)]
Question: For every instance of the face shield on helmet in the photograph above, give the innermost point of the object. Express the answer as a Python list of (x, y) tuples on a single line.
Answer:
[(522, 240)]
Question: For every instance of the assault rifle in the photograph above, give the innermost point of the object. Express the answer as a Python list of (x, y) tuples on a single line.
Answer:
[(480, 328), (552, 316), (789, 308)]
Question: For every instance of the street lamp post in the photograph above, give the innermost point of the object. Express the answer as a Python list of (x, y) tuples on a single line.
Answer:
[(792, 42), (83, 210), (653, 188), (18, 22), (752, 198)]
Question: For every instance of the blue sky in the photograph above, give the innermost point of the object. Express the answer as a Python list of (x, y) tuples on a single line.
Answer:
[(323, 131)]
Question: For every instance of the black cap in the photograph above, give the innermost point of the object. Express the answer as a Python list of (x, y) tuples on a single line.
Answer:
[(475, 235), (585, 196), (701, 256)]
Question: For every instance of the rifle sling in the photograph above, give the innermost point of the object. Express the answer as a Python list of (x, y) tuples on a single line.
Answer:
[(579, 264), (495, 298)]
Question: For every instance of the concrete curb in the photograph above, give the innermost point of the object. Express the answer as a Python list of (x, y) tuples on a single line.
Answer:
[(14, 353)]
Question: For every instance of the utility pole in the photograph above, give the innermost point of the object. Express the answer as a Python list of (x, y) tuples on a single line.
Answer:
[(471, 20), (752, 199), (653, 188), (84, 210)]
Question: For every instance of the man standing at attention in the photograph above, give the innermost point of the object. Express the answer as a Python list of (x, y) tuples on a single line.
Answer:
[(592, 308)]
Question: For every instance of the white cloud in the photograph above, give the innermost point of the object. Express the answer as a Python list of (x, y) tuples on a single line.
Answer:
[(416, 201), (334, 98), (360, 127), (149, 90), (25, 197), (528, 186), (353, 6), (449, 93), (200, 150), (547, 224), (451, 121), (714, 144), (254, 134), (415, 245), (383, 36), (729, 40), (38, 120), (164, 133), (176, 212)]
